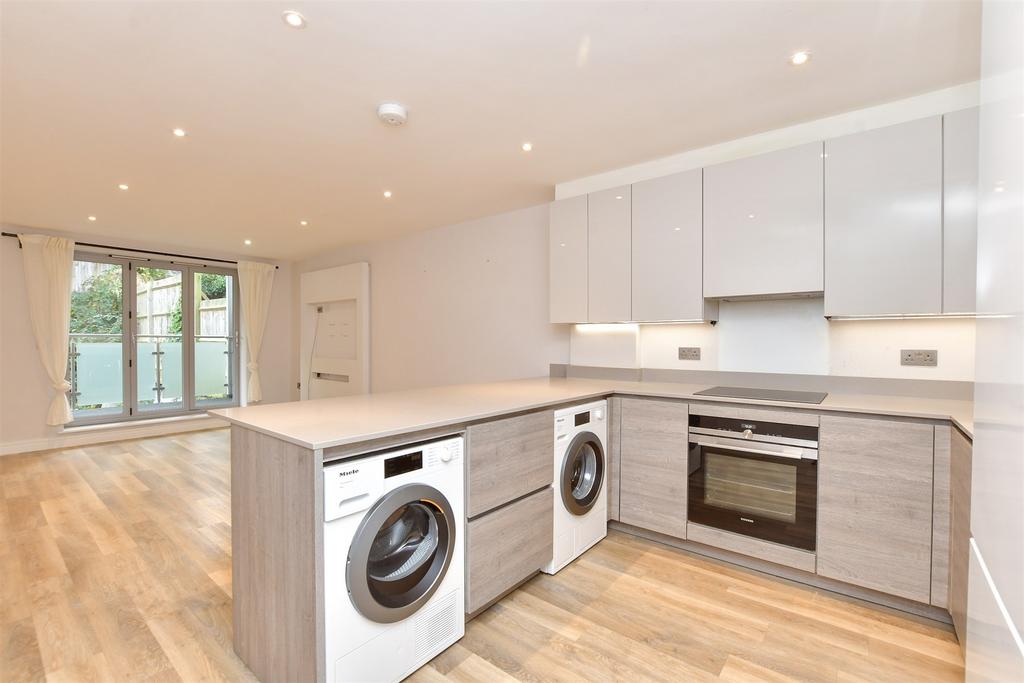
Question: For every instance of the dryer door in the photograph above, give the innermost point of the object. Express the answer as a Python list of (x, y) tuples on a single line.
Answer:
[(400, 553), (582, 473)]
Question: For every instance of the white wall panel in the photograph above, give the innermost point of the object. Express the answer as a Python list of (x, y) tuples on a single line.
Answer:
[(786, 335), (995, 653), (997, 478), (608, 346)]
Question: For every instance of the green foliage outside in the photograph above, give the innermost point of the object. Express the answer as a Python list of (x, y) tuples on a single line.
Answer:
[(96, 309)]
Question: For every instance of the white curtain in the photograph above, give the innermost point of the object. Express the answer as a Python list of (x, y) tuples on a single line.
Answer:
[(48, 266), (256, 282)]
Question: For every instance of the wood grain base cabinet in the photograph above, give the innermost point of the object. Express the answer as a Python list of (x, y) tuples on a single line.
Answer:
[(507, 546), (614, 460), (507, 459), (940, 517), (875, 504), (652, 468), (959, 532)]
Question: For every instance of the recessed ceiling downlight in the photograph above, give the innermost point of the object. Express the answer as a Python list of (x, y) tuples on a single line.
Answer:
[(527, 146), (248, 242), (393, 113), (122, 187), (293, 19), (387, 194), (799, 58), (179, 132), (92, 218)]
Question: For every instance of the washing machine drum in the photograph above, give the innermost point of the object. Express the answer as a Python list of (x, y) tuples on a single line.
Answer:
[(582, 473), (400, 553)]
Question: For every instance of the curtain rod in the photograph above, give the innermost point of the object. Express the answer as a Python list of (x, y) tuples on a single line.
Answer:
[(138, 251)]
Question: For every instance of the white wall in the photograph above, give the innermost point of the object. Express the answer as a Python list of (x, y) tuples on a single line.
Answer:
[(25, 391), (784, 336), (460, 303)]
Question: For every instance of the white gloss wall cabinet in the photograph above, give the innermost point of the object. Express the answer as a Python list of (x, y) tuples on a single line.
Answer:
[(608, 265), (960, 210), (666, 248), (567, 235), (763, 227), (883, 221)]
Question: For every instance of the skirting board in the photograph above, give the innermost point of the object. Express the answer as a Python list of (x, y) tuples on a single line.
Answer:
[(73, 438)]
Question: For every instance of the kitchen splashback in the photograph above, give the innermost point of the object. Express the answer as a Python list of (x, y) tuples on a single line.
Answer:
[(789, 336)]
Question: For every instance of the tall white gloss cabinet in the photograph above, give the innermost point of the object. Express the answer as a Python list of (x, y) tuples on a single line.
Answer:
[(567, 250), (763, 224), (883, 221), (608, 263), (666, 248), (960, 210)]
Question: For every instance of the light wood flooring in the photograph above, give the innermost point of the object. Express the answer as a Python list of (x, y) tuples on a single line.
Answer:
[(115, 565)]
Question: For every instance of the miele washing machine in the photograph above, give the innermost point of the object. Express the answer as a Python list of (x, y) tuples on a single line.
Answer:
[(394, 541), (581, 481)]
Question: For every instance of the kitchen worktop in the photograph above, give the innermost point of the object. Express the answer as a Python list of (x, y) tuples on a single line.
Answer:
[(325, 423)]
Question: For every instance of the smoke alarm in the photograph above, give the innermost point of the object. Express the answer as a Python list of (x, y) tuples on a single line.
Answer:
[(392, 113)]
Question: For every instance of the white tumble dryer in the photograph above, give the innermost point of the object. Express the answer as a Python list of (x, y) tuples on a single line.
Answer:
[(581, 481), (394, 540)]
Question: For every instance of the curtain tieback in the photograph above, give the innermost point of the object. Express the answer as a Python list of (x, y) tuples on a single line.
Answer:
[(252, 366), (62, 386)]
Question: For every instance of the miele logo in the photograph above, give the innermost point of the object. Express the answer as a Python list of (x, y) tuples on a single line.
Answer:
[(346, 473)]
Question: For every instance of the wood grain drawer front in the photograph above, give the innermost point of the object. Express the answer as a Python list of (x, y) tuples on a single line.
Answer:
[(508, 459), (652, 465), (507, 546), (875, 504)]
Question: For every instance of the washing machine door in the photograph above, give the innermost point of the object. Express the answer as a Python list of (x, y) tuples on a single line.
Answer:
[(400, 553), (582, 473)]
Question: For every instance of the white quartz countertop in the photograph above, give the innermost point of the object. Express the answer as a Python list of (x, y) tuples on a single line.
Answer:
[(329, 422)]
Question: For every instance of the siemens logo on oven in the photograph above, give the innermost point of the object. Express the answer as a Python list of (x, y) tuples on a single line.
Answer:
[(748, 425)]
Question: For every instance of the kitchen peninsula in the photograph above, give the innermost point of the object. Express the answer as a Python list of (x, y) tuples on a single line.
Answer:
[(906, 450)]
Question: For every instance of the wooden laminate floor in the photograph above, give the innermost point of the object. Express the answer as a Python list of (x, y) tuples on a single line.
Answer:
[(115, 565)]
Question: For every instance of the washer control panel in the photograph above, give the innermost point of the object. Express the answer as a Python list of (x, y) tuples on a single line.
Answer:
[(443, 453), (579, 417)]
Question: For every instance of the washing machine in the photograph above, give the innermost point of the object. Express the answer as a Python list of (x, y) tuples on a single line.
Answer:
[(581, 481), (393, 545)]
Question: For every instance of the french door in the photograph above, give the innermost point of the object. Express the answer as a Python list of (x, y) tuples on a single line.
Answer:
[(151, 339)]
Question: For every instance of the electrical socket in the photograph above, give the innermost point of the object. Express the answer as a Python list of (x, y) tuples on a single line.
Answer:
[(689, 353), (922, 357)]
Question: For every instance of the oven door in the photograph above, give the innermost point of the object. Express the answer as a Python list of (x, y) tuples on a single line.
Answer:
[(767, 491)]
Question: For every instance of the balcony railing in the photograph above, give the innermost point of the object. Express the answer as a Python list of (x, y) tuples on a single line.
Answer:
[(96, 371)]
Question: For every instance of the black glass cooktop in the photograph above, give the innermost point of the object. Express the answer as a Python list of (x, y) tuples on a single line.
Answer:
[(765, 394)]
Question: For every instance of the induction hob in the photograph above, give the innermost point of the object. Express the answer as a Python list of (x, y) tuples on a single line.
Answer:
[(765, 394)]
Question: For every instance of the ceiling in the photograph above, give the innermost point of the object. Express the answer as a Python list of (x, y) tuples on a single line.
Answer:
[(282, 127)]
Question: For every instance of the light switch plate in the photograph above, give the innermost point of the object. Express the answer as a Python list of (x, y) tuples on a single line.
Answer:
[(921, 357), (689, 353)]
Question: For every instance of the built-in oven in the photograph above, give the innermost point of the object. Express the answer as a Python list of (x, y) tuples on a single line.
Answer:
[(755, 478)]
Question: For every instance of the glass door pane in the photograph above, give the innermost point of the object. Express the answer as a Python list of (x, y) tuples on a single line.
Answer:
[(756, 487), (96, 358), (213, 316), (158, 339)]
